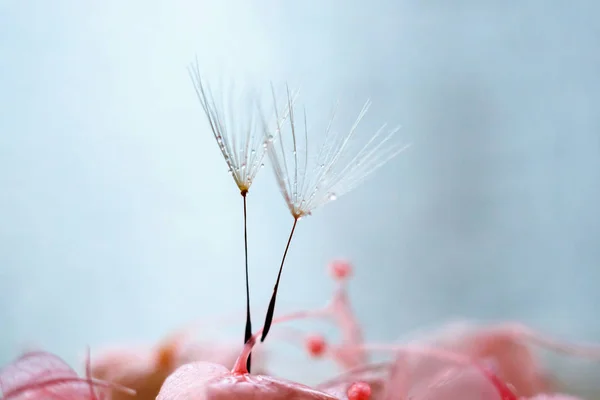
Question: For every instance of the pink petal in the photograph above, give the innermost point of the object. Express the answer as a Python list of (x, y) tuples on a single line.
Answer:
[(33, 367), (44, 376), (206, 381)]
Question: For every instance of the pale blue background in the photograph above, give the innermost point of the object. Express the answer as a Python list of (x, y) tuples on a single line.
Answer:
[(118, 220)]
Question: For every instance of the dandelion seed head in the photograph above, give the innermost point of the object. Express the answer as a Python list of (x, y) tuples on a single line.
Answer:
[(234, 120), (314, 167)]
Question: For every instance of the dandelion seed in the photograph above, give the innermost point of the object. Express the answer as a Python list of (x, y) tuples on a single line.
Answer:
[(308, 181), (235, 124), (237, 132)]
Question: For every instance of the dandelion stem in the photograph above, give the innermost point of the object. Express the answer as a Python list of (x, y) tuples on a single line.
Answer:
[(271, 309), (248, 330)]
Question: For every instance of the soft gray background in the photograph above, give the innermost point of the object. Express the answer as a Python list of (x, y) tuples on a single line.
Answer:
[(118, 219)]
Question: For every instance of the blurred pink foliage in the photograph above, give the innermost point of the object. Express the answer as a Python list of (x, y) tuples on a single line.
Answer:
[(465, 361)]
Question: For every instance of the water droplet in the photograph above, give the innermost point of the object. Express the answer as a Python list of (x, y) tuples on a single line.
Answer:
[(243, 166), (270, 138), (332, 196), (262, 165), (253, 151)]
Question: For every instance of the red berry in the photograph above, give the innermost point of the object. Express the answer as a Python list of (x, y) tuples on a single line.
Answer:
[(359, 391), (316, 345), (340, 269)]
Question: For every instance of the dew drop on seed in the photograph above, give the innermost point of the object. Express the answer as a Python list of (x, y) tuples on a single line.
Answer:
[(262, 165)]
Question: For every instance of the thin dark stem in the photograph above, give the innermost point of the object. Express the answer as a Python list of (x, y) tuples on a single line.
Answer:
[(248, 330), (271, 309)]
